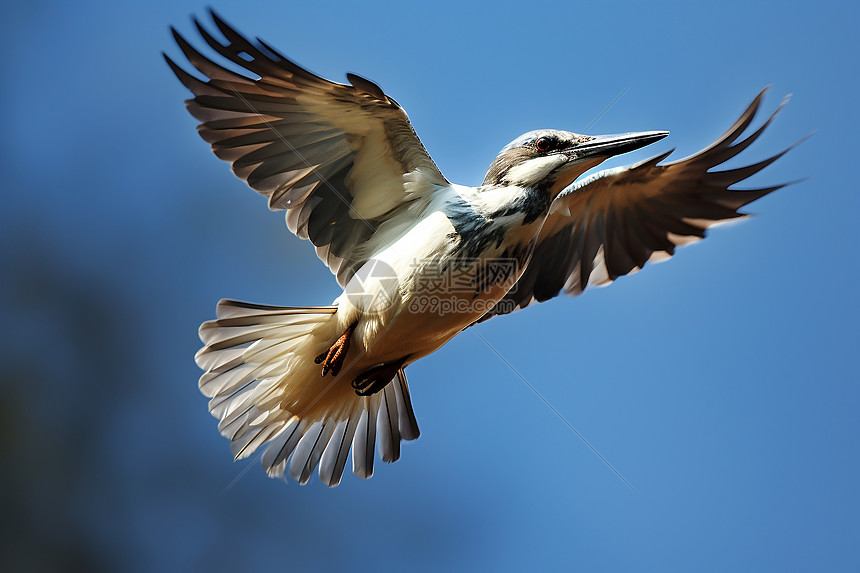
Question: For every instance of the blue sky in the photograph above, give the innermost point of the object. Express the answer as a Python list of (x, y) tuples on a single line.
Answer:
[(722, 384)]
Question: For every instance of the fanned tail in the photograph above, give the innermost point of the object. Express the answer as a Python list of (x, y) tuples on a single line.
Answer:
[(265, 388)]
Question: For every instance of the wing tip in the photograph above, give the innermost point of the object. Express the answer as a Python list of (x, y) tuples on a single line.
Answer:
[(365, 85)]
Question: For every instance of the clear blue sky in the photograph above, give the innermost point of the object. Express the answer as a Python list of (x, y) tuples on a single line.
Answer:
[(722, 384)]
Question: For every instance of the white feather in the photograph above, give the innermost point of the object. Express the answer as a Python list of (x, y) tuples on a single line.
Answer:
[(365, 439), (389, 431), (533, 171)]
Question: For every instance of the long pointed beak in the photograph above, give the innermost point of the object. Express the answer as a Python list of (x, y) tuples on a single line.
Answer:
[(608, 145)]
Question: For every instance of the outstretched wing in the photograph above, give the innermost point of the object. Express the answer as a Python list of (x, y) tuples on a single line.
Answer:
[(613, 222), (342, 160)]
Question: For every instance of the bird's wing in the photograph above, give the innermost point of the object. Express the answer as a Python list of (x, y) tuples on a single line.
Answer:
[(613, 222), (342, 160)]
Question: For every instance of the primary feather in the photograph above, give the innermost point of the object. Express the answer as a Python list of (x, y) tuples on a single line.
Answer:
[(336, 157)]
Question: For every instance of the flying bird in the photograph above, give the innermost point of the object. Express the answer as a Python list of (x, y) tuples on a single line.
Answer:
[(419, 258)]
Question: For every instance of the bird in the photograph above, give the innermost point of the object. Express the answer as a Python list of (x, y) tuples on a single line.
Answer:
[(419, 258)]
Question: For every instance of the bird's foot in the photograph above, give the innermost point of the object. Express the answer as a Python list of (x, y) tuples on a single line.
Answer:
[(376, 378), (334, 358)]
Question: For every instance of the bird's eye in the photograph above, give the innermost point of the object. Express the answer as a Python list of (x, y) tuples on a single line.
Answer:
[(543, 144)]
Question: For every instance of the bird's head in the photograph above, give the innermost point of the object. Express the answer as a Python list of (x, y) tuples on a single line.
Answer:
[(551, 159)]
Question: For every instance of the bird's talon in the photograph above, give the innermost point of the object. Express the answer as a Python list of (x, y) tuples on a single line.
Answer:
[(332, 360), (369, 392), (377, 378)]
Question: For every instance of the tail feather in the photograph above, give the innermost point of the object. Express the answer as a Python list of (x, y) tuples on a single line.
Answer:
[(252, 439), (407, 422), (263, 313), (365, 439), (236, 428), (217, 383), (389, 430), (275, 457), (220, 360), (234, 404), (266, 391), (334, 457), (309, 451), (219, 337)]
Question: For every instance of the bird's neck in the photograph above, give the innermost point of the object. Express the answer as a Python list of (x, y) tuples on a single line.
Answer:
[(497, 221), (511, 204)]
